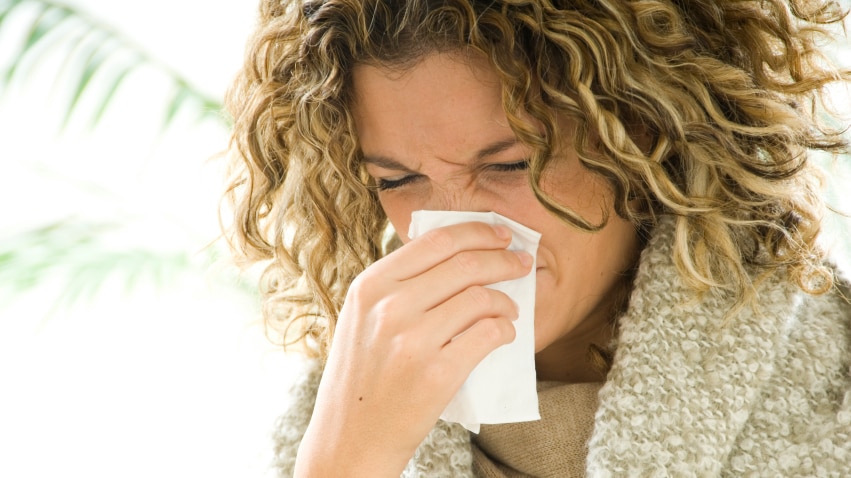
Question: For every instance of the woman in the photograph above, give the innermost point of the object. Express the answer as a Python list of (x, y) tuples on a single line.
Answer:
[(686, 322)]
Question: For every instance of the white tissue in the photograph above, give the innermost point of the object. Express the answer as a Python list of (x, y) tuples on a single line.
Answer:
[(502, 388)]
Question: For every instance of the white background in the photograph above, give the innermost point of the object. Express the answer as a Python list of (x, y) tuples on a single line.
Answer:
[(161, 381)]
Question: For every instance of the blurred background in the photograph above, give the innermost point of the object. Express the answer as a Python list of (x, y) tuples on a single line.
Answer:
[(128, 344), (128, 347)]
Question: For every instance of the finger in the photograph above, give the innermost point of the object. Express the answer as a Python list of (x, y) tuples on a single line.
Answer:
[(483, 337), (463, 270), (463, 310), (438, 245)]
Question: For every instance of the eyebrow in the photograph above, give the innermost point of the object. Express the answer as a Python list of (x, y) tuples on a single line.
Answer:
[(492, 149), (496, 148)]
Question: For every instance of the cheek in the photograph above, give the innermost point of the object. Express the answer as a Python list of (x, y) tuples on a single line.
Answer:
[(399, 214), (579, 189)]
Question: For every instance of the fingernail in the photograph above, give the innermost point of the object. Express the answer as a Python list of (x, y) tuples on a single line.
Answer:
[(525, 258), (502, 232)]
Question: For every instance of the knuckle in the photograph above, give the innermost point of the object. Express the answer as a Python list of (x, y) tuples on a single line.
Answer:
[(362, 284), (512, 262), (383, 315), (356, 287), (480, 296), (440, 239), (490, 331), (467, 262), (390, 325), (496, 331), (399, 346)]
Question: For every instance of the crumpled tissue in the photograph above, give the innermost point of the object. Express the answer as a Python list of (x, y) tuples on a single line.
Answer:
[(502, 388)]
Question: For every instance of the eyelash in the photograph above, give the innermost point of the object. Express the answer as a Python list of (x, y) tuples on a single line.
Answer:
[(387, 184), (508, 167)]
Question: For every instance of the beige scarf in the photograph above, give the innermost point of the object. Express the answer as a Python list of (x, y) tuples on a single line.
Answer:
[(555, 445)]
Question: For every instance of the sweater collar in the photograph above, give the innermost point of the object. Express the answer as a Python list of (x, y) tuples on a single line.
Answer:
[(684, 381), (682, 385)]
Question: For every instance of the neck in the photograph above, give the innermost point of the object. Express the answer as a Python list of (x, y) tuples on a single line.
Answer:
[(569, 359)]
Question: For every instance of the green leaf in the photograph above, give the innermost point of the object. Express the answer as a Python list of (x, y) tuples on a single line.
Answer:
[(16, 63), (115, 82), (215, 108), (50, 17), (179, 98), (47, 21), (97, 55), (74, 251), (6, 8)]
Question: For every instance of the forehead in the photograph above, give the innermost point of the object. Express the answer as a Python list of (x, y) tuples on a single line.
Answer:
[(443, 104)]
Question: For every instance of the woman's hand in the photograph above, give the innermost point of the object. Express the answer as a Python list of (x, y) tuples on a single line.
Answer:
[(413, 327)]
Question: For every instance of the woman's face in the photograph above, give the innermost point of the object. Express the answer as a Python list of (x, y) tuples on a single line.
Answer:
[(435, 136)]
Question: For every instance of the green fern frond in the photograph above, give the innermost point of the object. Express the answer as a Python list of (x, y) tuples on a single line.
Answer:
[(93, 50), (78, 256), (76, 250)]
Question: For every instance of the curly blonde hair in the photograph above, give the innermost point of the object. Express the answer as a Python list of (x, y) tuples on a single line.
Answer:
[(729, 94)]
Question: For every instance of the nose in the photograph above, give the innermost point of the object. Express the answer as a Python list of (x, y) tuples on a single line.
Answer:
[(455, 197)]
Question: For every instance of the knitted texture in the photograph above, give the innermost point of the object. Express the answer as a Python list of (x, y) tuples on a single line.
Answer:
[(765, 394), (291, 426), (768, 393), (444, 453)]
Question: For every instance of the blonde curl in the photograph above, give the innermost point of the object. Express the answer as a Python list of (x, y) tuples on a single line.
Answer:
[(705, 110)]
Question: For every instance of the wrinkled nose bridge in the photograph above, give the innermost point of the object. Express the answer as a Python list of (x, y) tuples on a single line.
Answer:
[(454, 197)]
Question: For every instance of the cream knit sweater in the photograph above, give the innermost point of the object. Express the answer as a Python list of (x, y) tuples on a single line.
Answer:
[(764, 395)]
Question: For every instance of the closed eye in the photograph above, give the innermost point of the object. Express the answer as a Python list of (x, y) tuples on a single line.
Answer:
[(384, 184), (508, 167)]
